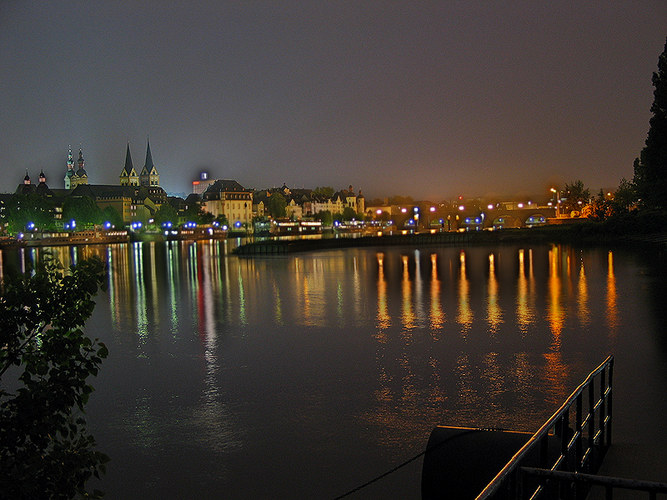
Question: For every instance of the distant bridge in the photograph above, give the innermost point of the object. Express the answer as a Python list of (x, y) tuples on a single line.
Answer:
[(507, 218)]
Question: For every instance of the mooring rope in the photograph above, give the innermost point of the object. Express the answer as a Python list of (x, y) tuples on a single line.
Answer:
[(410, 460)]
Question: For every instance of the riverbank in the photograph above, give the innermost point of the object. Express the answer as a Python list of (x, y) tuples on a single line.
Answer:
[(580, 233)]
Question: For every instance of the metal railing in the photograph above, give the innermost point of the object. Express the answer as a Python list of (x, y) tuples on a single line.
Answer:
[(608, 482), (574, 439)]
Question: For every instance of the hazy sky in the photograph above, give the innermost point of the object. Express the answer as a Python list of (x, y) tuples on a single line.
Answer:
[(425, 98)]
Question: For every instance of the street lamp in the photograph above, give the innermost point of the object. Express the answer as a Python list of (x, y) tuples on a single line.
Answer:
[(557, 193)]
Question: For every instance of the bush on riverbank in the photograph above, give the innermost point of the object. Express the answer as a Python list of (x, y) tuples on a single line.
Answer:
[(45, 361)]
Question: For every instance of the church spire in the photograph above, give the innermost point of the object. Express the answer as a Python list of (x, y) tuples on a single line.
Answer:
[(149, 157), (128, 161), (128, 176), (149, 175), (69, 173)]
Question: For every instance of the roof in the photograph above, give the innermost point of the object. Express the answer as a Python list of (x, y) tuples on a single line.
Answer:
[(148, 166), (26, 188), (127, 169), (225, 185), (43, 190), (301, 193), (105, 191)]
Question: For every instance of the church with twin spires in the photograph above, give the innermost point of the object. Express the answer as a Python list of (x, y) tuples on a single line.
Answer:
[(136, 197), (148, 177), (75, 176)]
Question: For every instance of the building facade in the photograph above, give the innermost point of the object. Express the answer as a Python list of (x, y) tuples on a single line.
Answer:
[(229, 198)]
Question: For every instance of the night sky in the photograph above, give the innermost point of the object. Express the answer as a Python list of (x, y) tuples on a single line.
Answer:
[(431, 99)]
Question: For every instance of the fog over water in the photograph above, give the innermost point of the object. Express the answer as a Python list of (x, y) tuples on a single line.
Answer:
[(307, 375)]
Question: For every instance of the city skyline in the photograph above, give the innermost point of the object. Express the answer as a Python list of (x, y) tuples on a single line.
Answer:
[(430, 100)]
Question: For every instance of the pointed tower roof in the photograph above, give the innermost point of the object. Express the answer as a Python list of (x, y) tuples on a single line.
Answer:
[(81, 171), (149, 157), (128, 161)]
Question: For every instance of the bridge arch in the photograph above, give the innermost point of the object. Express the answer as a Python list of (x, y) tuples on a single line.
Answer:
[(506, 221), (536, 219)]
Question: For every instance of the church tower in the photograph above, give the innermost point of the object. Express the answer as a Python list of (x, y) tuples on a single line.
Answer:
[(149, 176), (128, 176), (80, 176), (70, 169)]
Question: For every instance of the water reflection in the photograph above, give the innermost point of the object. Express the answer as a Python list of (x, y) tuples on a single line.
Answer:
[(525, 301), (465, 314), (383, 318), (494, 311), (476, 336), (311, 290), (437, 315), (555, 312), (612, 314), (407, 312), (584, 313)]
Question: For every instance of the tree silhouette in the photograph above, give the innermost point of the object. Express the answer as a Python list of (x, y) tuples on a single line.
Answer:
[(45, 359), (650, 177)]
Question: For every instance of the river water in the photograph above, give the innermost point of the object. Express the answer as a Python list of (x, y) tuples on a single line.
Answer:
[(307, 375)]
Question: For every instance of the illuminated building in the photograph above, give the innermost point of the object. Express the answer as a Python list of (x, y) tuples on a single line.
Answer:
[(137, 197), (201, 185), (229, 198), (355, 202), (75, 176)]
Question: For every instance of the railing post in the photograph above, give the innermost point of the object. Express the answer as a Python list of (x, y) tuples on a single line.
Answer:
[(577, 430), (544, 451), (602, 414), (564, 487), (591, 427), (610, 399)]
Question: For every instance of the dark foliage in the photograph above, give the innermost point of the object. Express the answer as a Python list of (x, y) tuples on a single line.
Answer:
[(24, 209), (650, 168), (45, 360), (276, 205)]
